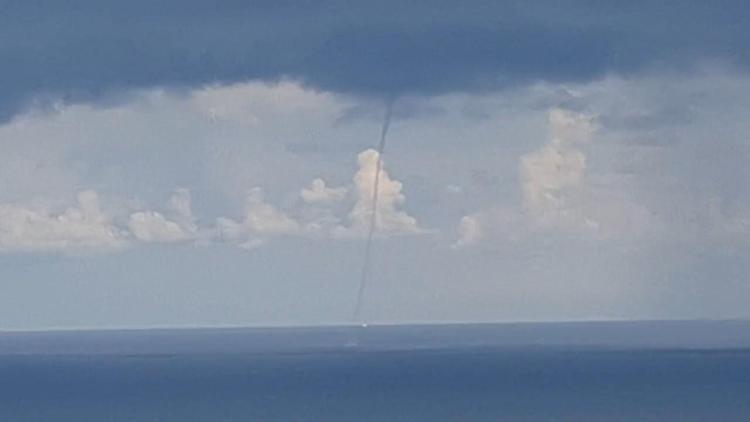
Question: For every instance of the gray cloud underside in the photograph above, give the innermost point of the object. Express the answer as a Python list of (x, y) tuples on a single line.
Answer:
[(88, 50)]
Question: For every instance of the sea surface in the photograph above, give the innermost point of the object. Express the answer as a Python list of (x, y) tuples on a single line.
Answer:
[(648, 371)]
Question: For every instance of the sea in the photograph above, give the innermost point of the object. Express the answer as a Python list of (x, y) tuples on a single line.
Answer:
[(587, 371)]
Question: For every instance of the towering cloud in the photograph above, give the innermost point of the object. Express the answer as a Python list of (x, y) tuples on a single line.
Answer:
[(389, 219), (552, 184), (554, 174)]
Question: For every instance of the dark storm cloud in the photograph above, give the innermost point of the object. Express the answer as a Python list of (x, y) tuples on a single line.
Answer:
[(85, 50)]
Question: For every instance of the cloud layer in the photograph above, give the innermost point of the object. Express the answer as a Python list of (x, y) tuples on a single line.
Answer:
[(90, 50)]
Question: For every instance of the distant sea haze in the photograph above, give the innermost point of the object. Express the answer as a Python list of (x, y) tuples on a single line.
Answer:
[(620, 371)]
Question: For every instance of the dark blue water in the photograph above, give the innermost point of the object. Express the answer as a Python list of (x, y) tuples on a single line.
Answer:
[(267, 375)]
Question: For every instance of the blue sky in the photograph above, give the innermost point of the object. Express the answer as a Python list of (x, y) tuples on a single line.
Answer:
[(189, 164)]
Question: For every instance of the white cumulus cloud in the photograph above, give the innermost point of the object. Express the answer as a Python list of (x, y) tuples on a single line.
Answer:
[(260, 220), (153, 226), (320, 215), (553, 175), (319, 193), (83, 227), (557, 193), (389, 219), (469, 231)]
